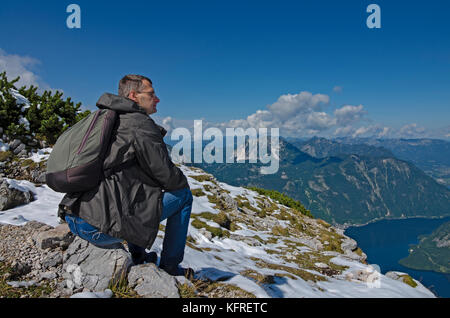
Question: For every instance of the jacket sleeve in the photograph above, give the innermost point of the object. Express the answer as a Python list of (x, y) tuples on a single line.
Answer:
[(153, 158)]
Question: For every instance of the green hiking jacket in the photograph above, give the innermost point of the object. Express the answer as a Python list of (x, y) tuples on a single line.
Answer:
[(128, 204)]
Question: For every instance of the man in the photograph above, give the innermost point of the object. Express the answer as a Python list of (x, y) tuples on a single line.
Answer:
[(130, 204)]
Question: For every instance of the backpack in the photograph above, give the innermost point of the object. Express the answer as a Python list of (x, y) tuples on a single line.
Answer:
[(76, 161)]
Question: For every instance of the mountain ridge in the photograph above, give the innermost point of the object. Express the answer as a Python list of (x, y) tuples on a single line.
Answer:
[(345, 189)]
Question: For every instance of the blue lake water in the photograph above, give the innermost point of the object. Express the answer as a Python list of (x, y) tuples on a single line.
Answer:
[(386, 242)]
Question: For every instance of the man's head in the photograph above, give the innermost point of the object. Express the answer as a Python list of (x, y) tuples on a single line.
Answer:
[(139, 89)]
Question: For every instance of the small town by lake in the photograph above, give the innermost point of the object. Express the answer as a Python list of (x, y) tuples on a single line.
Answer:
[(387, 241)]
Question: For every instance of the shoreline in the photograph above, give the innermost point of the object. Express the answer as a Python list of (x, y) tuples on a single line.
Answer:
[(345, 226), (431, 279)]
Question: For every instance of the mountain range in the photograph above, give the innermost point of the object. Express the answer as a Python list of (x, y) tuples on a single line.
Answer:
[(344, 184)]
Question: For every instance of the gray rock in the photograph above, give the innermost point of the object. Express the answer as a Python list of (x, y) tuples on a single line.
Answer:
[(60, 236), (17, 284), (10, 197), (349, 247), (19, 268), (24, 154), (38, 176), (14, 144), (52, 260), (151, 282), (106, 294), (349, 244), (94, 268), (48, 275), (19, 149)]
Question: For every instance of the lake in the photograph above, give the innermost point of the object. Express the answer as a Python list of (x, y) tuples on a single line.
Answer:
[(386, 242)]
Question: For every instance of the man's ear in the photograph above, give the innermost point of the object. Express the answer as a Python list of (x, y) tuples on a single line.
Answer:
[(133, 96)]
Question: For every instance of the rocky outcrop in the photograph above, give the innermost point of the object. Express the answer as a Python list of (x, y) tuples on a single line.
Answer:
[(151, 282), (94, 268), (14, 162), (11, 197), (38, 254), (23, 169), (60, 236)]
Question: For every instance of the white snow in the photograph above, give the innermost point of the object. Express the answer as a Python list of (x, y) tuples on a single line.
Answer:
[(25, 122), (105, 294), (44, 209), (226, 259), (41, 154), (20, 99), (3, 146)]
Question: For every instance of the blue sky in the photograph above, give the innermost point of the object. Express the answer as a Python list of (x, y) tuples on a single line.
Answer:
[(228, 60)]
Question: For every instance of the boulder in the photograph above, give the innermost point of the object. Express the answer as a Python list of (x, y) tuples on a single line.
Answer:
[(86, 266), (19, 149), (14, 144), (59, 236), (151, 282), (11, 197)]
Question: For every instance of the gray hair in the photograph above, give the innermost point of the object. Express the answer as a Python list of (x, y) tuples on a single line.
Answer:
[(130, 83)]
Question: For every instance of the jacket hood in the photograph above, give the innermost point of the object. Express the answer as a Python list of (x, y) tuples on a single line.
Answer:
[(125, 105), (118, 103)]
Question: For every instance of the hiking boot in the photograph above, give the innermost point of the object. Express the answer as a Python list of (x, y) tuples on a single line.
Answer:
[(144, 258), (176, 270)]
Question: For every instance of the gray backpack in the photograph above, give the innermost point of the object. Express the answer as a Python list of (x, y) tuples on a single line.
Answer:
[(76, 161)]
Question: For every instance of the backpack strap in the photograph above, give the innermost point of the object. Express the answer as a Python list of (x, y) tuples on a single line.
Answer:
[(109, 172)]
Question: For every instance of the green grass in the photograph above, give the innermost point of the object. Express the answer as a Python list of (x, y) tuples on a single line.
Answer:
[(187, 291), (215, 231), (283, 199), (280, 231), (121, 289), (303, 274), (42, 289), (220, 218), (408, 280), (308, 260), (202, 178), (259, 278), (210, 289), (243, 202), (5, 155), (198, 192)]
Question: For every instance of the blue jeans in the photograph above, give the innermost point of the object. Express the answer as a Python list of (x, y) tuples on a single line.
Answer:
[(177, 206)]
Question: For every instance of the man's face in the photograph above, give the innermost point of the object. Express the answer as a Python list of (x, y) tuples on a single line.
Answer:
[(146, 98)]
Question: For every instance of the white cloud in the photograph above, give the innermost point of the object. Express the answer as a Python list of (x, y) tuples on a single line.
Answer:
[(291, 105), (337, 89), (319, 121), (16, 65), (305, 114), (349, 114), (412, 131), (344, 131), (384, 132), (376, 131), (301, 114)]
